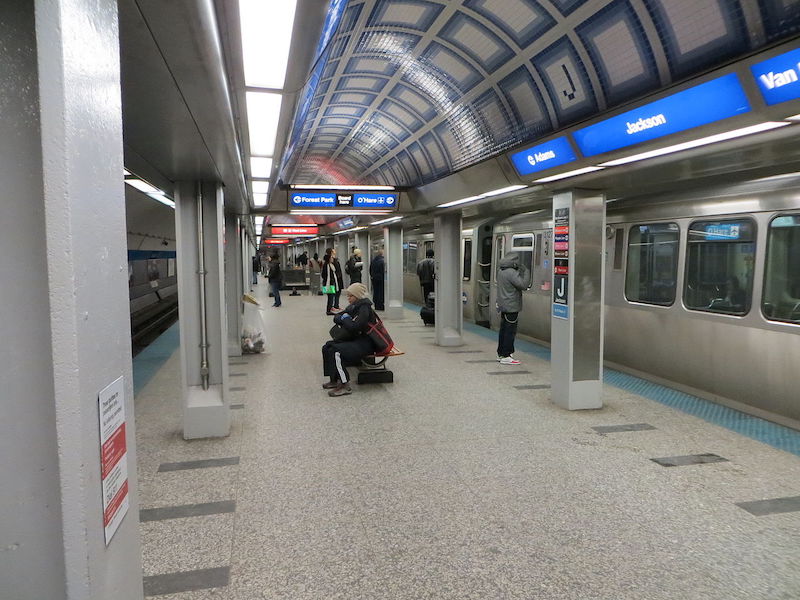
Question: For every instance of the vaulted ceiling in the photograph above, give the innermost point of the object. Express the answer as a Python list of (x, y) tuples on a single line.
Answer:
[(405, 92)]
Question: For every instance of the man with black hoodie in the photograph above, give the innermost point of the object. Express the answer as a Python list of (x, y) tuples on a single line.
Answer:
[(512, 279)]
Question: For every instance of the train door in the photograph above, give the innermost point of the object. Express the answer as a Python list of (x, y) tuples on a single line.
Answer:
[(483, 315)]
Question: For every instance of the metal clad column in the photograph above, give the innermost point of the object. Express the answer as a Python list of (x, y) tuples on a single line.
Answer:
[(393, 250), (66, 320), (449, 314), (577, 309), (205, 411), (233, 284)]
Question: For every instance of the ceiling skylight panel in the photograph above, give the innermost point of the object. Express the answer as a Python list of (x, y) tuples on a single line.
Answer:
[(260, 167), (266, 38)]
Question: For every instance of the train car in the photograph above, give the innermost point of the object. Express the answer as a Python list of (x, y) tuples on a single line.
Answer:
[(702, 289)]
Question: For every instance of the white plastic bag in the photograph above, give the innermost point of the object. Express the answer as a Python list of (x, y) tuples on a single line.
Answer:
[(253, 339)]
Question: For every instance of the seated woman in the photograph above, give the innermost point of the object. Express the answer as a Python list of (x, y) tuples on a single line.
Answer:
[(337, 356)]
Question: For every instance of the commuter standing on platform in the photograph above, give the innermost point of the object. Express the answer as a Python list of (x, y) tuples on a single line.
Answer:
[(377, 269), (314, 274), (425, 271), (256, 268), (512, 279), (303, 259), (354, 266), (275, 279), (332, 275)]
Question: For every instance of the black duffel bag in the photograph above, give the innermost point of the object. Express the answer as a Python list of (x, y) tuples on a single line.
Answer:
[(340, 334)]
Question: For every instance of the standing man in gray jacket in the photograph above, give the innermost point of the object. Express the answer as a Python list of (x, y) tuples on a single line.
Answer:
[(513, 278)]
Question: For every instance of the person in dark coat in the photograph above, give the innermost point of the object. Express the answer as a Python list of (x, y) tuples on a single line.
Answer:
[(275, 279), (354, 266), (332, 275), (303, 259), (425, 271), (337, 356), (377, 270), (256, 268)]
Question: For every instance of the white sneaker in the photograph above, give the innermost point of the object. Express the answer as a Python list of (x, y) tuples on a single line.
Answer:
[(509, 360), (500, 358)]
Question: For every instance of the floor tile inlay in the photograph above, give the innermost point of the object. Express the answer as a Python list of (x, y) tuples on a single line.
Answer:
[(692, 459), (538, 386), (237, 374), (625, 427), (774, 506), (188, 581), (237, 389), (237, 406), (187, 510), (465, 351), (508, 372), (198, 464)]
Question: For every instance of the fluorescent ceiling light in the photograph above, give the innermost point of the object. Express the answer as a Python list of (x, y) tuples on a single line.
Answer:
[(260, 199), (143, 186), (162, 198), (383, 221), (260, 166), (260, 187), (793, 118), (259, 219), (349, 230), (126, 172), (466, 232), (504, 190), (263, 110), (266, 37), (343, 187), (568, 174), (720, 137), (339, 212)]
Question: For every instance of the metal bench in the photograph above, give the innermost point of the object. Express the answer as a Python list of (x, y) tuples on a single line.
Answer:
[(373, 367)]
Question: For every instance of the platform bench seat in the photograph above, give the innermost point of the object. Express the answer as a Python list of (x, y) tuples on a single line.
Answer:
[(373, 367)]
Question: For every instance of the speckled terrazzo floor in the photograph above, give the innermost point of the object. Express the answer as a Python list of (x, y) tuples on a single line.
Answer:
[(451, 483)]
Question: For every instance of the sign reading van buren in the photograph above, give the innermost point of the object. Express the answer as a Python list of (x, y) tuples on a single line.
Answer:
[(113, 457)]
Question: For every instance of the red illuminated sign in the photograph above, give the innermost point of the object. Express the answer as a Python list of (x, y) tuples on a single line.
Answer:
[(295, 230), (272, 241)]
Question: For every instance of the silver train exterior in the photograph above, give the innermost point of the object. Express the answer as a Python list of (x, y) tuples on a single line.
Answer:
[(674, 313)]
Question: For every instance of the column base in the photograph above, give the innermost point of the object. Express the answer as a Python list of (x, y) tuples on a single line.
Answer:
[(205, 414), (578, 395), (449, 337), (394, 311)]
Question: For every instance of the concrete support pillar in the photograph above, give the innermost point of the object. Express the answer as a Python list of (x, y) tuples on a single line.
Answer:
[(245, 249), (66, 324), (233, 284), (448, 308), (577, 310), (393, 250), (204, 377)]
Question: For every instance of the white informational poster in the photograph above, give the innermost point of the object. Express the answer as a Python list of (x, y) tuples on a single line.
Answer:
[(113, 457), (170, 267)]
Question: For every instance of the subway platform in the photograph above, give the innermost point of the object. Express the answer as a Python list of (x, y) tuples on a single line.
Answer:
[(460, 480)]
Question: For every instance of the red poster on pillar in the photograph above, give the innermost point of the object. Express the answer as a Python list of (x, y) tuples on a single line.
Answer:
[(113, 457)]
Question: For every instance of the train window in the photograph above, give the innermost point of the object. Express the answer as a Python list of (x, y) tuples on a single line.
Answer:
[(427, 246), (719, 266), (500, 246), (652, 272), (410, 257), (467, 273), (523, 245), (781, 300), (619, 247)]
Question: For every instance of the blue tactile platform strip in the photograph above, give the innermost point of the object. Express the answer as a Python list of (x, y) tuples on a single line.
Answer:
[(766, 432), (151, 359)]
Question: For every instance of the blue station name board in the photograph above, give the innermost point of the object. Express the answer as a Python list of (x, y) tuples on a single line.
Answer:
[(365, 200), (708, 102), (554, 153), (779, 77)]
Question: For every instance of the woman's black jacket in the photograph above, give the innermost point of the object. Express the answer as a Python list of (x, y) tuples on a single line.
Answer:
[(359, 314), (274, 275)]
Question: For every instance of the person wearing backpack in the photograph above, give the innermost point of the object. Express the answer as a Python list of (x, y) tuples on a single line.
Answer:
[(354, 266), (355, 343)]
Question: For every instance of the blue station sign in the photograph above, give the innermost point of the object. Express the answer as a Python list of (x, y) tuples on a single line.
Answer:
[(554, 153), (312, 200), (708, 102), (364, 200), (779, 77)]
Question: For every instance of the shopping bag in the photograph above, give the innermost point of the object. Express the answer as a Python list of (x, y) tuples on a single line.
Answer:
[(328, 289)]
